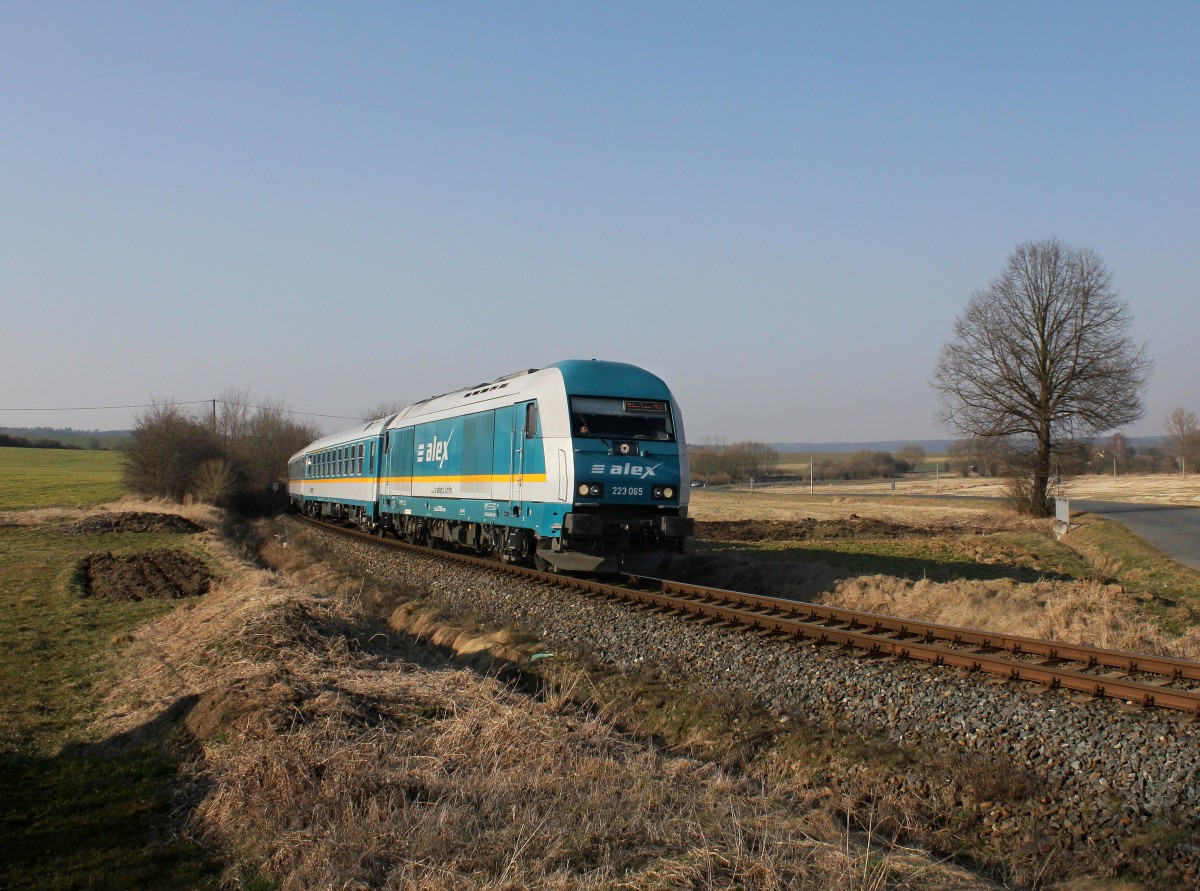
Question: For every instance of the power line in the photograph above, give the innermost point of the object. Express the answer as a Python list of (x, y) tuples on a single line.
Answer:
[(307, 414), (286, 411), (106, 407)]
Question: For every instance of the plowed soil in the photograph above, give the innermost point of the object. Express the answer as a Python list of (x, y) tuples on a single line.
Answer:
[(809, 529), (133, 522), (155, 575)]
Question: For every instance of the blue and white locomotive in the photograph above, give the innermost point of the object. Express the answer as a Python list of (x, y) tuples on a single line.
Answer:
[(577, 467)]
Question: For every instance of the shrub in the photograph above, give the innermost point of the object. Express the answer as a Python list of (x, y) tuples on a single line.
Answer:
[(233, 460)]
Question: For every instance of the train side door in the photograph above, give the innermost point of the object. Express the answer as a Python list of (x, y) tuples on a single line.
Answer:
[(407, 438), (525, 442), (396, 462), (502, 455)]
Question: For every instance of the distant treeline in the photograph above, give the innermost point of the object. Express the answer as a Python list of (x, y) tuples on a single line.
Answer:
[(1000, 456), (20, 442), (864, 464), (931, 446), (66, 437), (717, 463)]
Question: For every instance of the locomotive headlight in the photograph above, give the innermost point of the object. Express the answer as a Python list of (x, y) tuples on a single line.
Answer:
[(668, 492), (591, 490), (662, 493)]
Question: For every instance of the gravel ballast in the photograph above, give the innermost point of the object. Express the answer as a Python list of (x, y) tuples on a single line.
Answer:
[(1120, 783)]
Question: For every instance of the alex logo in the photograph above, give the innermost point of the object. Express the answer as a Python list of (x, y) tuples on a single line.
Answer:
[(627, 469), (434, 450)]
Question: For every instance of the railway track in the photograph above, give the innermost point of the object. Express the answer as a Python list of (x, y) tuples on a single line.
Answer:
[(1142, 679)]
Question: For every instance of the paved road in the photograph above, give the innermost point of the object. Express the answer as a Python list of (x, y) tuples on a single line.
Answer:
[(1173, 530)]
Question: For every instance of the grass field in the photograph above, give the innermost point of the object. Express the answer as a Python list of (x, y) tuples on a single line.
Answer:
[(76, 811), (32, 478)]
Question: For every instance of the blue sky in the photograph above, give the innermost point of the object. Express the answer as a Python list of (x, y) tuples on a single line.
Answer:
[(779, 208)]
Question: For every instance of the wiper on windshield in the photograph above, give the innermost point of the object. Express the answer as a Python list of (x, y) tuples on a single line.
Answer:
[(582, 429)]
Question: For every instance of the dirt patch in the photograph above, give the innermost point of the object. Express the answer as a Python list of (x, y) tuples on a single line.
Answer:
[(130, 521), (155, 575), (809, 529), (231, 704)]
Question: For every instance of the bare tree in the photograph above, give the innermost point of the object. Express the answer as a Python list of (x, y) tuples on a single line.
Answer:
[(866, 464), (166, 446), (987, 456), (234, 411), (749, 460), (214, 481), (912, 455), (382, 410), (1043, 355), (269, 436), (1119, 448), (1117, 452), (1184, 437), (715, 462), (707, 460), (174, 454)]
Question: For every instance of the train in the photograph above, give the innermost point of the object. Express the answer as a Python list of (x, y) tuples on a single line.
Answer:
[(578, 467)]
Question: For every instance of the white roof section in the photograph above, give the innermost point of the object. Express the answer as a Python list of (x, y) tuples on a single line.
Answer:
[(350, 434), (507, 389)]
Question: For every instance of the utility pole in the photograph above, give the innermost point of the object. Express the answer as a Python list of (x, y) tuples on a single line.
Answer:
[(214, 416)]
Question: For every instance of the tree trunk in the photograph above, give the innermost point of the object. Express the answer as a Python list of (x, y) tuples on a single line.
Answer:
[(1041, 473)]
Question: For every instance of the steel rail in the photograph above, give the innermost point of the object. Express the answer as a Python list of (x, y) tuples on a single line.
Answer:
[(879, 635), (1093, 657)]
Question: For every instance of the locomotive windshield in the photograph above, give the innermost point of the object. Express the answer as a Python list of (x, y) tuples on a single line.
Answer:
[(611, 418)]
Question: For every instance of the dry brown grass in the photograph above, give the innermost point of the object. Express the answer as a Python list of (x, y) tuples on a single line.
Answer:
[(1085, 611), (336, 756), (201, 514), (42, 515), (198, 512)]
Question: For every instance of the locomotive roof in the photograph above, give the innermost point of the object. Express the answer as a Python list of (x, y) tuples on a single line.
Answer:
[(591, 377), (596, 377)]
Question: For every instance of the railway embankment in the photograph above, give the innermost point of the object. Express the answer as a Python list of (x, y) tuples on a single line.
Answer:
[(1022, 780), (326, 750)]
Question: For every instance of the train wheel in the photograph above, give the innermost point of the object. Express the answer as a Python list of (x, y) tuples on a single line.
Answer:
[(540, 563)]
